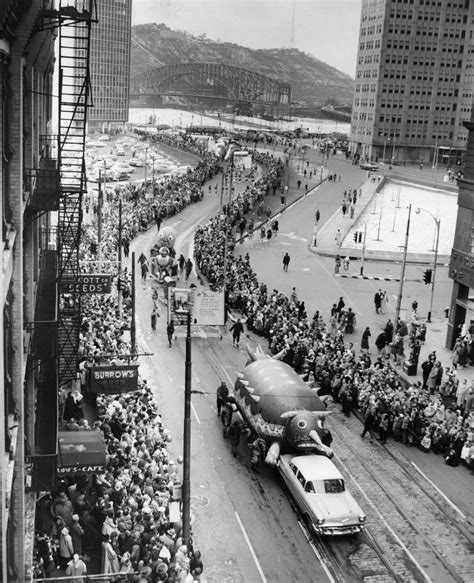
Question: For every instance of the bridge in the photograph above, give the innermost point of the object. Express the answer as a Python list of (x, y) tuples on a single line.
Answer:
[(211, 81)]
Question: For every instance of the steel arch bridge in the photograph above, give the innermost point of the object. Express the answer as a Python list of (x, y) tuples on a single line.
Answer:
[(211, 80)]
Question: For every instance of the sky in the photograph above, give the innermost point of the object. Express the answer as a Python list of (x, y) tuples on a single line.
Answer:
[(326, 29)]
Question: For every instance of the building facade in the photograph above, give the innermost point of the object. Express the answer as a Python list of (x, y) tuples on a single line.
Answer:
[(29, 190), (110, 65), (461, 267), (414, 81)]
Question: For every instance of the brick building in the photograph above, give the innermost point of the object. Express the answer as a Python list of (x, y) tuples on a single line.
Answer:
[(29, 191), (414, 81)]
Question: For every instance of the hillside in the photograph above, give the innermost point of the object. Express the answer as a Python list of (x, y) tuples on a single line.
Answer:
[(313, 82)]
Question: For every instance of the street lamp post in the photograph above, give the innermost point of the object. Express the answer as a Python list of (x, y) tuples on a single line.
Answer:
[(433, 275), (402, 277), (146, 162)]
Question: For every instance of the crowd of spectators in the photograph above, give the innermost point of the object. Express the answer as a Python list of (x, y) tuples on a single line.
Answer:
[(413, 414), (124, 516)]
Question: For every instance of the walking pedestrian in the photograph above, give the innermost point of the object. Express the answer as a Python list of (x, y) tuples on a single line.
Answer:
[(378, 301), (364, 344), (286, 261), (369, 421), (189, 268), (153, 319), (170, 332), (298, 183), (221, 396), (294, 296), (144, 268), (344, 209), (338, 237), (182, 263), (237, 328)]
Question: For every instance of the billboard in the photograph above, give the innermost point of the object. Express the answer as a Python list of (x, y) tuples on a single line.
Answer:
[(208, 307)]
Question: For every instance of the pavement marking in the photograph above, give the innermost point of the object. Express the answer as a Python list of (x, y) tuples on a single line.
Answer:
[(195, 414), (293, 236), (440, 492), (387, 525), (247, 540), (375, 277), (320, 558)]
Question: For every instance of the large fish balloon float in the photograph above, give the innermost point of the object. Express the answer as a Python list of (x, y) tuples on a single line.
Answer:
[(280, 407)]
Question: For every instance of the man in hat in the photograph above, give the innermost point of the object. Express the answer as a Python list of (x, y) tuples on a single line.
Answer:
[(75, 568)]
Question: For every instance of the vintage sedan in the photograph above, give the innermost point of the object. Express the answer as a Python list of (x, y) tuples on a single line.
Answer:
[(369, 166), (318, 489)]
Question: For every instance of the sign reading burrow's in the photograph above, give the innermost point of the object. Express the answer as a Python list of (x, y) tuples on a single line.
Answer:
[(113, 379), (94, 283)]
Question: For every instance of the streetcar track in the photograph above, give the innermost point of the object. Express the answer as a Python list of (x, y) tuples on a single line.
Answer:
[(325, 548), (402, 512)]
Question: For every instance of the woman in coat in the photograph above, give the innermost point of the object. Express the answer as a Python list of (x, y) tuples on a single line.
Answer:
[(432, 378), (364, 344), (66, 548), (110, 560)]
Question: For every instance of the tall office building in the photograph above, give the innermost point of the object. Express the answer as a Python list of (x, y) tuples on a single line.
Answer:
[(414, 80), (110, 65)]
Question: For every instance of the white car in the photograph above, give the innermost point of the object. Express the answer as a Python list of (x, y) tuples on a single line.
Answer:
[(319, 490)]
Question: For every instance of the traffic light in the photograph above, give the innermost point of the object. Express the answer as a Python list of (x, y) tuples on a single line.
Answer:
[(360, 236), (427, 276), (318, 216), (356, 237)]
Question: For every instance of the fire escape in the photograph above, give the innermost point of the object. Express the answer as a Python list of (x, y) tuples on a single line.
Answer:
[(59, 185), (75, 20)]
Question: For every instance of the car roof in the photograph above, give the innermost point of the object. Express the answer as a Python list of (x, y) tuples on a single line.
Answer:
[(315, 467)]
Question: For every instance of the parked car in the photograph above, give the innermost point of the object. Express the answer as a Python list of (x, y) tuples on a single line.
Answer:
[(319, 490), (369, 166)]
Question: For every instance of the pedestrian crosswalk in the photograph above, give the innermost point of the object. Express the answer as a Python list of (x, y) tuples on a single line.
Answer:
[(374, 277)]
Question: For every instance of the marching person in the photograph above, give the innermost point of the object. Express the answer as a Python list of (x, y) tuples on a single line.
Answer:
[(170, 332), (286, 261), (237, 328), (222, 394)]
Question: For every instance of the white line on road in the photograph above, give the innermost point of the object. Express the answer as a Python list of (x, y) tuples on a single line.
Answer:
[(195, 414), (440, 492), (247, 540), (318, 555), (389, 528)]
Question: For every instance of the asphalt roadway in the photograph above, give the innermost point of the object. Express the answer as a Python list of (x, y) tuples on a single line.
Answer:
[(243, 522)]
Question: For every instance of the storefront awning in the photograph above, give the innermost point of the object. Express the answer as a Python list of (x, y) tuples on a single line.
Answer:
[(81, 452)]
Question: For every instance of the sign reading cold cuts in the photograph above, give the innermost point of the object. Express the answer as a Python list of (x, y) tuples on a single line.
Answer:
[(113, 379)]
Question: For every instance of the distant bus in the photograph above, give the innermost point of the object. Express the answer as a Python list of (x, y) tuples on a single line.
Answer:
[(210, 130)]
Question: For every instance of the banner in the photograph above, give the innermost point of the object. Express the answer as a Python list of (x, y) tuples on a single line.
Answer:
[(113, 379), (180, 303), (208, 307)]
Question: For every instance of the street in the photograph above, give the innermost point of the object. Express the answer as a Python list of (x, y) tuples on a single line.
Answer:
[(244, 522)]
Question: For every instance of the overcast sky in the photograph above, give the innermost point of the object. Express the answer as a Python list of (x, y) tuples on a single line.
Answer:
[(327, 29)]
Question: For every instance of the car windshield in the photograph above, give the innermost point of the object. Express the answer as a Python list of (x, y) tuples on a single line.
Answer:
[(325, 486)]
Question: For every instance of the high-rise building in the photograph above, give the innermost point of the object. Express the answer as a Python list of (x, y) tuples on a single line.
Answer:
[(110, 65), (414, 81)]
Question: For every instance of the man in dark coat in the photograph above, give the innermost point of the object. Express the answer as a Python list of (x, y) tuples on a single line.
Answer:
[(426, 369), (237, 328)]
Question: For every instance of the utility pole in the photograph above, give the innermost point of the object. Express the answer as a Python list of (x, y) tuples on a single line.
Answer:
[(100, 202), (133, 329), (363, 250), (119, 298), (402, 277), (187, 438)]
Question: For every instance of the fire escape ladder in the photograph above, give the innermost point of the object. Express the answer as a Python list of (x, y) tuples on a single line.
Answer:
[(76, 17)]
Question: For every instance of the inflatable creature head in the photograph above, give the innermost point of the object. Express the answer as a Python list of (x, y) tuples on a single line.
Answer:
[(304, 430), (167, 237)]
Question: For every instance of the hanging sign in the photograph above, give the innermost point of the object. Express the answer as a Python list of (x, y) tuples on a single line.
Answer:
[(113, 379), (94, 283)]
